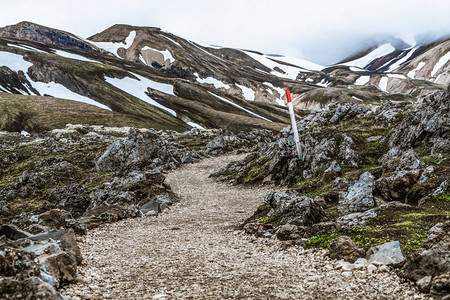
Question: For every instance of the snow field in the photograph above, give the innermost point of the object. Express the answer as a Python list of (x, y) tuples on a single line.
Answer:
[(138, 88)]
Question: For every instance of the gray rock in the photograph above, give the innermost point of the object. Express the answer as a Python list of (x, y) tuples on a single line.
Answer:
[(291, 208), (424, 284), (361, 261), (152, 205), (4, 208), (73, 198), (344, 248), (333, 170), (54, 218), (289, 232), (66, 241), (137, 150), (359, 196), (372, 139), (389, 254), (430, 121), (347, 222), (13, 232), (21, 275)]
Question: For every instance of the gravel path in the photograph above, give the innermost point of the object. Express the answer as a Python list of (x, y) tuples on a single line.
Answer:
[(193, 251)]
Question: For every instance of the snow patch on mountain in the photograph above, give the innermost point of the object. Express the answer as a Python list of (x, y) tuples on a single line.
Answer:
[(194, 125), (290, 72), (60, 91), (28, 48), (355, 69), (138, 88), (441, 62), (323, 83), (280, 92), (199, 47), (238, 106), (362, 80), (383, 84), (411, 74), (399, 62), (16, 63), (399, 76), (73, 56), (173, 41), (248, 93), (304, 64), (211, 80), (362, 62), (114, 46)]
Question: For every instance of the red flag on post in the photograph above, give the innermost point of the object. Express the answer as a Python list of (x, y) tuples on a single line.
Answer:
[(294, 125)]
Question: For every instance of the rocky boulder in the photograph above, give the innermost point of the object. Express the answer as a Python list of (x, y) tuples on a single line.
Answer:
[(54, 218), (359, 196), (291, 208), (344, 248), (389, 254)]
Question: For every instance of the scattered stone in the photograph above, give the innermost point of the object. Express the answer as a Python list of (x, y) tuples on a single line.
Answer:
[(424, 284)]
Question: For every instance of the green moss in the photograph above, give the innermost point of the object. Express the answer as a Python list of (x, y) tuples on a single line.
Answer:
[(322, 240), (408, 225), (444, 197), (269, 220), (405, 224), (414, 215), (332, 212), (412, 244)]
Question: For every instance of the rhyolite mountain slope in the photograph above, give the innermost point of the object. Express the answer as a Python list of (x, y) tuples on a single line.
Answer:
[(157, 79)]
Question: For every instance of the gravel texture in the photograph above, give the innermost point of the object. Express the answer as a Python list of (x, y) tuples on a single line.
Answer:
[(195, 251)]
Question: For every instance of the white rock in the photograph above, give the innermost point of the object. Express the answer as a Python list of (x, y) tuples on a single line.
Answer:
[(361, 261), (372, 268)]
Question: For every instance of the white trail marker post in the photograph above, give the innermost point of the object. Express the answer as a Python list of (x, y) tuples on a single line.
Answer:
[(294, 125)]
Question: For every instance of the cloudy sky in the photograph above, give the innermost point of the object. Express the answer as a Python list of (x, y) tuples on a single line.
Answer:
[(323, 31)]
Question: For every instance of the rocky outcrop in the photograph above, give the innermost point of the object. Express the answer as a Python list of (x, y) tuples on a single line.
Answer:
[(430, 267), (359, 196), (293, 209), (427, 124), (287, 215), (28, 31), (21, 276), (138, 150), (380, 190), (35, 266)]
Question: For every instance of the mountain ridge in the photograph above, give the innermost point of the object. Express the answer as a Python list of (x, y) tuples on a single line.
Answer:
[(109, 66)]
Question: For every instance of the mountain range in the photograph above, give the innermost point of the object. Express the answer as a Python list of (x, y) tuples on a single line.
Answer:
[(147, 77)]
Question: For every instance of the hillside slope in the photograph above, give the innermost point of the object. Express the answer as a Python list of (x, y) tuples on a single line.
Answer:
[(169, 82)]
